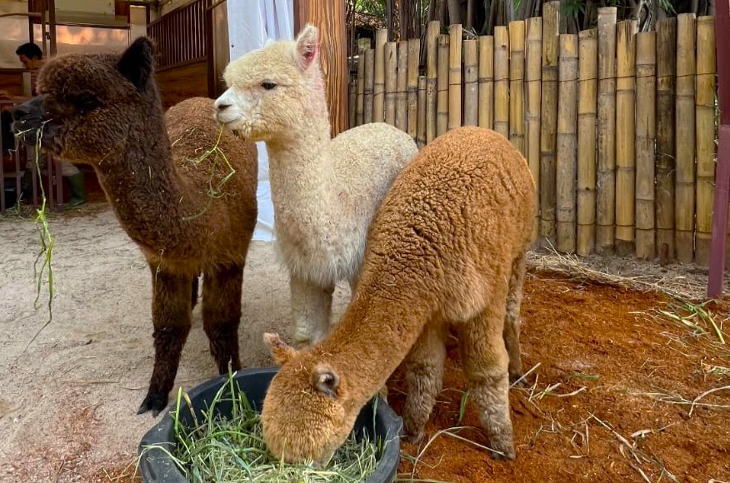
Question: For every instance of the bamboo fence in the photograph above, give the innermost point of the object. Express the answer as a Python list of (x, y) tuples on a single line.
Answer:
[(618, 127)]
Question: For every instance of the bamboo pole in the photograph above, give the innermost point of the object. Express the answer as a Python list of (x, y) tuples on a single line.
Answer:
[(369, 86), (391, 59), (517, 85), (566, 146), (533, 76), (665, 142), (381, 38), (645, 134), (684, 207), (414, 46), (549, 121), (705, 107), (606, 124), (501, 81), (360, 102), (486, 81), (401, 106), (471, 86), (352, 104), (422, 103), (587, 87), (455, 98), (625, 136), (432, 35), (442, 99)]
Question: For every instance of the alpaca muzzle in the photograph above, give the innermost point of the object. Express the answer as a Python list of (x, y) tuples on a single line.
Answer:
[(29, 120)]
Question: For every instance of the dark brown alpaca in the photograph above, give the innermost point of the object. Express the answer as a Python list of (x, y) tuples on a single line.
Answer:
[(105, 110)]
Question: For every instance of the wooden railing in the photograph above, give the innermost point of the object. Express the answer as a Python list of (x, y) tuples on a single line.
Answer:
[(181, 35)]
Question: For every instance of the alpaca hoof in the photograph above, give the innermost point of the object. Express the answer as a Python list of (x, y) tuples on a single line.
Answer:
[(154, 403), (502, 454), (516, 379), (413, 438)]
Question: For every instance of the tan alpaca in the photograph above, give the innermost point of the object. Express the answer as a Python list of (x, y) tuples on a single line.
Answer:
[(105, 110), (324, 191), (447, 246)]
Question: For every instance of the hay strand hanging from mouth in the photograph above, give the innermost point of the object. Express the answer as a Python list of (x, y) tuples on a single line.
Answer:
[(45, 256)]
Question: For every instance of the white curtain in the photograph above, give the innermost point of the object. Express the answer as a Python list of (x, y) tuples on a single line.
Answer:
[(250, 24)]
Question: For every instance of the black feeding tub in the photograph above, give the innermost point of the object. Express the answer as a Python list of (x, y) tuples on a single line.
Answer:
[(156, 466)]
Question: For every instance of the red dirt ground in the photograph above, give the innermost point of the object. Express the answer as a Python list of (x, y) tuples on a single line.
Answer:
[(619, 376)]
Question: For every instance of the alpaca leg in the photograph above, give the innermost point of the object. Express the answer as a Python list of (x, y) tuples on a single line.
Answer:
[(311, 306), (222, 314), (512, 317), (171, 315), (424, 373), (485, 360), (194, 296)]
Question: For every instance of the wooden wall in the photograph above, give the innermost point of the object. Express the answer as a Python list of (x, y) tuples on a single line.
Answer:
[(11, 80), (184, 81)]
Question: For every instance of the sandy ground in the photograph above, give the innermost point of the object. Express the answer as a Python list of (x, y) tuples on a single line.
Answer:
[(68, 403)]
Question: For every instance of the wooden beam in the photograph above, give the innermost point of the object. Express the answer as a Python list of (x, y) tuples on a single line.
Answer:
[(722, 173), (329, 18)]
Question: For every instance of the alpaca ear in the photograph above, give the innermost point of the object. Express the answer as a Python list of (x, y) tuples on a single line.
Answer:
[(137, 63), (325, 380), (307, 45), (280, 350)]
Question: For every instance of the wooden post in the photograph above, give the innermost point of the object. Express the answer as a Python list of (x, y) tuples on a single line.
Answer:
[(625, 136), (360, 109), (549, 121), (329, 18), (722, 174), (705, 106), (684, 207), (666, 80), (471, 86), (432, 36), (414, 47), (587, 87), (501, 81), (533, 62), (401, 106), (381, 38), (645, 134), (422, 103), (455, 98), (442, 99), (567, 140), (368, 89), (606, 175), (486, 81), (390, 81), (517, 85), (352, 103)]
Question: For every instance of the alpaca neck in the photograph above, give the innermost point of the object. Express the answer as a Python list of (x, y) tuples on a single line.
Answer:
[(379, 328), (301, 172), (145, 190)]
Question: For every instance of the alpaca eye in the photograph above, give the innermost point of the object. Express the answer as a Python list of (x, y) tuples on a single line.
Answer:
[(268, 85), (85, 101)]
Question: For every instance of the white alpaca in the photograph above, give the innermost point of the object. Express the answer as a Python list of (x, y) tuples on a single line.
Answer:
[(325, 191)]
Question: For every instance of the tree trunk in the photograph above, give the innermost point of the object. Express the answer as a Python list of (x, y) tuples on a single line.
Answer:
[(329, 18), (454, 11)]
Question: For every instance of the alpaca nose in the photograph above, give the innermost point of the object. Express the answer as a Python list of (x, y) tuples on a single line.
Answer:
[(223, 106), (30, 108)]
